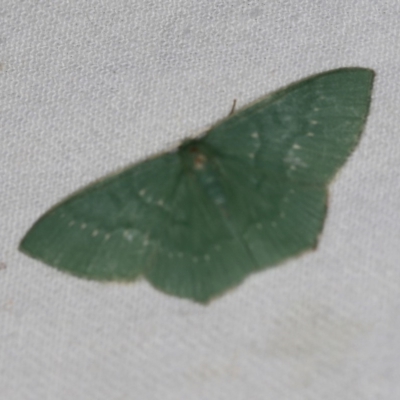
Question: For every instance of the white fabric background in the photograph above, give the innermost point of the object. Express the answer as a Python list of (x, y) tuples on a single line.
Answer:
[(88, 87)]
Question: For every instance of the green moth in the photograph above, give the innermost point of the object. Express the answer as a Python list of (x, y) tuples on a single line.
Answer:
[(246, 195)]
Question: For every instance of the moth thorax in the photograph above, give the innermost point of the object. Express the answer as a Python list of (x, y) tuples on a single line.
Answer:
[(195, 155), (199, 161)]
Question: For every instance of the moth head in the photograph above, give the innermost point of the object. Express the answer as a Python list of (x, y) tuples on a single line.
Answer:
[(193, 154)]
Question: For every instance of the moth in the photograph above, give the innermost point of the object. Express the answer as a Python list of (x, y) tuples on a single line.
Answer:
[(247, 194)]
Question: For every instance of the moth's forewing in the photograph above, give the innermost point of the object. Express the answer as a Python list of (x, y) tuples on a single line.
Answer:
[(248, 194)]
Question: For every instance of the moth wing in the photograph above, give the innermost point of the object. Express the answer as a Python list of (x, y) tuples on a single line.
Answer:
[(273, 161), (105, 231), (200, 255), (304, 132), (274, 218)]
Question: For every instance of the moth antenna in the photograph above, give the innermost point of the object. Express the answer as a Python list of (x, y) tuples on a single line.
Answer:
[(233, 108)]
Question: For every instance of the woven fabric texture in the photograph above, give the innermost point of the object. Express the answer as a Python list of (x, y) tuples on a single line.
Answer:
[(89, 87)]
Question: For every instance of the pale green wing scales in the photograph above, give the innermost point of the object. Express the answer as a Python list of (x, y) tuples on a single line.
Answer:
[(104, 231), (248, 194), (304, 132)]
